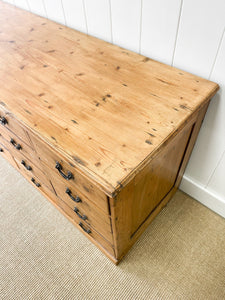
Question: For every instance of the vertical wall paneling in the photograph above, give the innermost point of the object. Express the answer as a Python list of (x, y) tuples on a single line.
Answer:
[(126, 23), (37, 7), (159, 28), (200, 30), (22, 4), (98, 18), (75, 14), (217, 181), (216, 184), (54, 10), (211, 141)]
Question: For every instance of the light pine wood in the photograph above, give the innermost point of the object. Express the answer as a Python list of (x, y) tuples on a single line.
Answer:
[(110, 132), (141, 200), (4, 152), (6, 136), (94, 236), (49, 157), (122, 124), (97, 218), (13, 125)]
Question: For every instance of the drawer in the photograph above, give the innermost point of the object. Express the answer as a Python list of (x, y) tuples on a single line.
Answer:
[(4, 152), (35, 181), (28, 167), (15, 144), (84, 208), (85, 228), (9, 122), (65, 168)]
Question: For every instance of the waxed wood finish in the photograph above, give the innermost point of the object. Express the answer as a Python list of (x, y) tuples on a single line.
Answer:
[(126, 221), (4, 152), (50, 157), (108, 107), (97, 218), (122, 124), (13, 125)]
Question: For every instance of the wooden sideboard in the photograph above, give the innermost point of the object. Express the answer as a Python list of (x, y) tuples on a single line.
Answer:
[(104, 133)]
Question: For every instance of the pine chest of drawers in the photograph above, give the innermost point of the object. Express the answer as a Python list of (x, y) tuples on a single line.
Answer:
[(104, 133)]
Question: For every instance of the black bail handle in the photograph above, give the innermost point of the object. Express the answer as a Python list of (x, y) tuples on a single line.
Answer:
[(84, 217), (3, 120), (17, 146), (88, 231), (25, 165), (75, 199), (59, 168), (36, 183)]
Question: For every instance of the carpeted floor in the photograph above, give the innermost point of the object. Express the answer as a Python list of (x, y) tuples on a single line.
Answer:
[(43, 256)]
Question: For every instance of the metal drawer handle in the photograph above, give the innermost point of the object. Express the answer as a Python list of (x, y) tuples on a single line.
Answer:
[(1, 150), (77, 199), (3, 120), (27, 167), (79, 215), (17, 146), (88, 231), (36, 183), (59, 168)]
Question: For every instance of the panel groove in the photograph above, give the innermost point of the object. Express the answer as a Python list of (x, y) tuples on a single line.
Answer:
[(214, 171), (63, 12), (28, 5), (85, 16), (217, 52), (110, 15), (43, 2), (140, 26), (178, 26)]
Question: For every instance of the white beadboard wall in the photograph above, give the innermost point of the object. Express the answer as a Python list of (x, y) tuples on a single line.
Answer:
[(188, 34)]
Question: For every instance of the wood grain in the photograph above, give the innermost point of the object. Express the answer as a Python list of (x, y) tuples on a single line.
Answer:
[(119, 122), (113, 127), (140, 201), (96, 218)]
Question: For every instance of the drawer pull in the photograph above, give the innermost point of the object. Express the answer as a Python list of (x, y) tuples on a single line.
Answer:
[(88, 231), (1, 150), (36, 183), (27, 167), (3, 120), (77, 199), (59, 168), (79, 215), (17, 146)]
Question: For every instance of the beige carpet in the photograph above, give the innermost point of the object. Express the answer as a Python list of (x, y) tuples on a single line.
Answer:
[(43, 256)]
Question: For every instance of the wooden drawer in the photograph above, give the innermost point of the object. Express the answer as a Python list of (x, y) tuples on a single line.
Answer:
[(80, 183), (83, 207), (8, 121), (31, 169), (15, 144), (4, 152), (69, 213)]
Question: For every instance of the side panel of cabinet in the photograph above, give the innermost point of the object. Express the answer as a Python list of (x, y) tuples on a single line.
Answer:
[(142, 199)]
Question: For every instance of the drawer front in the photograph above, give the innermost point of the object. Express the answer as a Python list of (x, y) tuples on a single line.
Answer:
[(84, 208), (16, 145), (9, 122), (82, 225), (66, 169), (4, 152), (29, 168), (36, 182)]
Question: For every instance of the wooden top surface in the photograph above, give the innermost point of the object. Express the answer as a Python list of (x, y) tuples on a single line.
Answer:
[(106, 108)]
